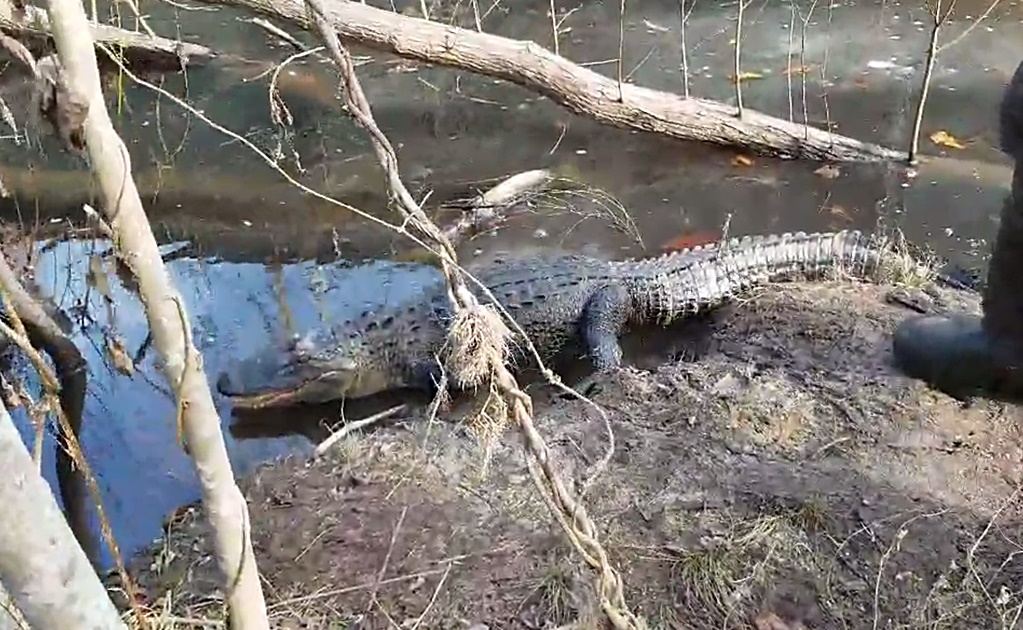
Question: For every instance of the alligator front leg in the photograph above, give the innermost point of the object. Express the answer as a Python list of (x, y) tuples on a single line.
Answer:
[(602, 324)]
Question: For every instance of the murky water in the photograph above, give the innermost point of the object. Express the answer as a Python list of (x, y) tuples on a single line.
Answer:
[(234, 216)]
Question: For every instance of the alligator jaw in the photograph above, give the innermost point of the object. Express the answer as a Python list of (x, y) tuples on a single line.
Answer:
[(268, 397), (283, 377)]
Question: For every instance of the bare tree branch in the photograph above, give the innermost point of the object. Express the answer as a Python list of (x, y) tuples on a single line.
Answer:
[(32, 26), (925, 86)]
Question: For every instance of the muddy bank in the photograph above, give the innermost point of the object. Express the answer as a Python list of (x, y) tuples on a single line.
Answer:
[(771, 463)]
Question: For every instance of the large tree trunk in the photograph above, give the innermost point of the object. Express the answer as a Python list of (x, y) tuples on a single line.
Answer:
[(580, 90), (41, 565), (168, 320)]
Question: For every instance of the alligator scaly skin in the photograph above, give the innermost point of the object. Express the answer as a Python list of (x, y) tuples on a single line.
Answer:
[(560, 299)]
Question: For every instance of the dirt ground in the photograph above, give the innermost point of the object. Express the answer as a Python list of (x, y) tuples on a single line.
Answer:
[(783, 477)]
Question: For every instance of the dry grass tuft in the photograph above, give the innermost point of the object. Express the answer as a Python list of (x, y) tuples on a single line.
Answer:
[(490, 419), (566, 195), (553, 597), (899, 264), (477, 339), (718, 582), (164, 615)]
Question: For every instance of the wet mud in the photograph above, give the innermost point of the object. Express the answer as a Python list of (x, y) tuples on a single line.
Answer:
[(771, 466)]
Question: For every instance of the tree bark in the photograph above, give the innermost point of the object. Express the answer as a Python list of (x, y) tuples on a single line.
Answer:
[(168, 320), (41, 565), (578, 89)]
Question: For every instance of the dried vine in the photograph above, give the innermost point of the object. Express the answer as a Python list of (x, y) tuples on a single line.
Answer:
[(471, 315)]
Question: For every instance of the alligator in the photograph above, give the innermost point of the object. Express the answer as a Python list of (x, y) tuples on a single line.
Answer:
[(556, 300)]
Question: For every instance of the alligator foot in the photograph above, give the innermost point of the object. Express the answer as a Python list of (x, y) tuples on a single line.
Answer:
[(956, 355)]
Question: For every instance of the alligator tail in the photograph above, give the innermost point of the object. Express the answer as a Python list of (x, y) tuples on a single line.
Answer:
[(687, 281)]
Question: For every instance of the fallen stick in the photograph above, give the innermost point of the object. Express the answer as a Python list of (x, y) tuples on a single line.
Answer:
[(351, 427), (491, 207), (578, 89)]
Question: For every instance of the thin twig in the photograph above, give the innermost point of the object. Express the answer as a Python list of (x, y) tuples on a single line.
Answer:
[(788, 59), (387, 556), (741, 4), (802, 68), (433, 598), (351, 427), (31, 321), (51, 384), (621, 49), (278, 32), (554, 27), (925, 88), (969, 29), (683, 17)]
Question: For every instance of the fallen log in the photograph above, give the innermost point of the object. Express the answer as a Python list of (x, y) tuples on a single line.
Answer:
[(30, 26), (578, 89)]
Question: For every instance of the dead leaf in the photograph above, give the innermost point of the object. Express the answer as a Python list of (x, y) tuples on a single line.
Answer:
[(863, 84), (840, 213), (797, 70), (119, 356), (945, 139), (690, 240), (746, 76), (742, 160), (828, 171)]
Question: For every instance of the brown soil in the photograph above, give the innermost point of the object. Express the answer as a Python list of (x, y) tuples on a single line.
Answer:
[(789, 478)]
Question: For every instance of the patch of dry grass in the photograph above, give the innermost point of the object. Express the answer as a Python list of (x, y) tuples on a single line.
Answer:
[(901, 264), (717, 581)]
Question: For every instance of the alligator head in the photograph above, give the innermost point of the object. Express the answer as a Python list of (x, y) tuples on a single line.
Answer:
[(314, 368)]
